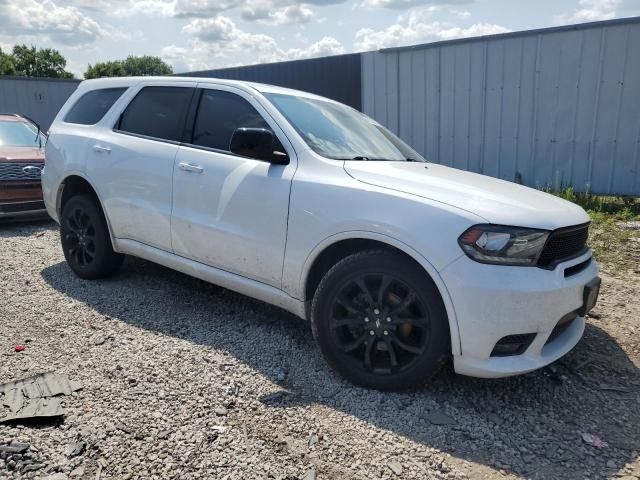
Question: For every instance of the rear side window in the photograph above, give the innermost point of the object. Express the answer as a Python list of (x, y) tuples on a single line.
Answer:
[(220, 113), (93, 105), (157, 112)]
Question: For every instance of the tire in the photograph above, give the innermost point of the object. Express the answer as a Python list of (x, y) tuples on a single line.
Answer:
[(85, 239), (402, 345)]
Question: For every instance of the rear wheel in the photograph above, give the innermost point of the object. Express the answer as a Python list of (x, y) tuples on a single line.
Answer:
[(380, 322), (85, 239)]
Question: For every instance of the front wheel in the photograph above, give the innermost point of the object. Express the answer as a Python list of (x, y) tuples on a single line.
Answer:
[(85, 239), (380, 321)]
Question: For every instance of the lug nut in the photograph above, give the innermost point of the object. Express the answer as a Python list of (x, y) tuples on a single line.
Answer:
[(388, 319), (376, 311), (386, 333), (366, 319), (372, 332)]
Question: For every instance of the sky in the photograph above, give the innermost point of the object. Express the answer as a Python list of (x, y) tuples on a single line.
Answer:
[(208, 34)]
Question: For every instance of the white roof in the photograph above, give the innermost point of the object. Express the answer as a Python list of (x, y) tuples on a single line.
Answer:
[(111, 82)]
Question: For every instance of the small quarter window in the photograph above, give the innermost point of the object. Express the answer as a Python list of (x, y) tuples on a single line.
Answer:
[(157, 112), (93, 105)]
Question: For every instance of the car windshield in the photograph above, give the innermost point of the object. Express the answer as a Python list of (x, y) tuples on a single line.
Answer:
[(20, 134), (339, 132)]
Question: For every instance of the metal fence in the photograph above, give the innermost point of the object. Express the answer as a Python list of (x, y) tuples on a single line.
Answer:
[(553, 107), (37, 98)]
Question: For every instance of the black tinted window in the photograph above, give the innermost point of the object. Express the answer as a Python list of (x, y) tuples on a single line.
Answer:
[(219, 114), (157, 112), (91, 107)]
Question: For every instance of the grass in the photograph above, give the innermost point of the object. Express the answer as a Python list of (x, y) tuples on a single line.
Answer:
[(616, 247)]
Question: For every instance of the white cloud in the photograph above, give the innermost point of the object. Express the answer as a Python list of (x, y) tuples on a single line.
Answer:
[(591, 10), (266, 13), (461, 13), (203, 8), (417, 27), (217, 42), (406, 4), (212, 29), (58, 24)]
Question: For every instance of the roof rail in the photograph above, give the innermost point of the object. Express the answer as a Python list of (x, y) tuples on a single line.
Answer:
[(11, 114)]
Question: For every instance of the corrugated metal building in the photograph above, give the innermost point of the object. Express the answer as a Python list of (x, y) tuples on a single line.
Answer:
[(38, 98), (550, 107), (337, 77), (557, 106)]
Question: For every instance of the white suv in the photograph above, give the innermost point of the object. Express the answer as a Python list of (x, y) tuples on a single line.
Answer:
[(305, 203)]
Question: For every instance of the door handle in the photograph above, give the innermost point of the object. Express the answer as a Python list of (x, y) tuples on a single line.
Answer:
[(188, 167), (101, 149)]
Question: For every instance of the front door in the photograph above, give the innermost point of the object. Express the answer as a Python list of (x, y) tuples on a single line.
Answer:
[(229, 211)]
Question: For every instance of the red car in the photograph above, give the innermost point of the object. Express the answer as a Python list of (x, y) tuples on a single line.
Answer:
[(21, 162)]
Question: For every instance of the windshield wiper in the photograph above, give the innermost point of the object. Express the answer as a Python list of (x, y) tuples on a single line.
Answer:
[(360, 157)]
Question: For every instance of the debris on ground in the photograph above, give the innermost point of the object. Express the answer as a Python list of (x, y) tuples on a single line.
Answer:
[(630, 225), (309, 474), (395, 467), (75, 449), (220, 411), (594, 440), (19, 348), (439, 418), (36, 397)]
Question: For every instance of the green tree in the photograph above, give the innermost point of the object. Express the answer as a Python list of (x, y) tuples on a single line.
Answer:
[(7, 65), (43, 62), (131, 66), (105, 69)]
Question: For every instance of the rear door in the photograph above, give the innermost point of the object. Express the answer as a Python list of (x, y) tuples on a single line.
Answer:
[(136, 162), (230, 211)]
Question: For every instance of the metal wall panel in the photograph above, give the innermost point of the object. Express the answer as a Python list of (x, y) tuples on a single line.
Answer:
[(552, 107), (336, 77), (37, 98)]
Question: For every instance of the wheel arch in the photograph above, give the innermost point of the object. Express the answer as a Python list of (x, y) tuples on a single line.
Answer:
[(335, 248), (73, 184)]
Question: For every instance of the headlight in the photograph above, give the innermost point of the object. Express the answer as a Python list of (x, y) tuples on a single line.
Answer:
[(497, 244)]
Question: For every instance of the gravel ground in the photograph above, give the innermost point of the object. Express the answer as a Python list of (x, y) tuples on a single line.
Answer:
[(183, 379)]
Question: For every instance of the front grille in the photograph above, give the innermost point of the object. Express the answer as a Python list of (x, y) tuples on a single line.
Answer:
[(563, 244), (19, 207), (16, 171)]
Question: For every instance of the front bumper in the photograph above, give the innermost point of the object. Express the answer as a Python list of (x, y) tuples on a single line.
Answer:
[(494, 301), (27, 208)]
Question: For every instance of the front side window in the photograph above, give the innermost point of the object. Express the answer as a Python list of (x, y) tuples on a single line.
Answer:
[(93, 105), (219, 114), (20, 134), (157, 112), (336, 131)]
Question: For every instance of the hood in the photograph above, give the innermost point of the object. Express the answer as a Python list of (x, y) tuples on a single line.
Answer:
[(21, 154), (497, 201)]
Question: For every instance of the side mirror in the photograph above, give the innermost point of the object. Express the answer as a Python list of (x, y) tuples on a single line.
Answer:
[(256, 143)]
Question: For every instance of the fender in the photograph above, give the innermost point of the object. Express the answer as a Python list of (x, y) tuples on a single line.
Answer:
[(85, 177), (403, 247)]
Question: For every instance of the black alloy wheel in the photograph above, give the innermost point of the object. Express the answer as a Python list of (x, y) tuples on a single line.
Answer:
[(379, 320), (80, 237), (85, 239)]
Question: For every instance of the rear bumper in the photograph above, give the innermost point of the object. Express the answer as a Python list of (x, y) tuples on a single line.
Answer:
[(25, 208)]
